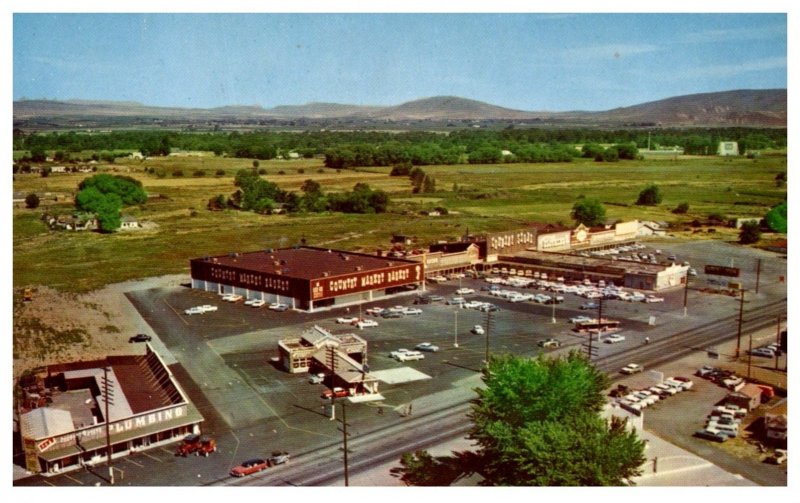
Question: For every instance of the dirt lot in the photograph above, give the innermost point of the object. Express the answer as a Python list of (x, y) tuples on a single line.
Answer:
[(58, 327)]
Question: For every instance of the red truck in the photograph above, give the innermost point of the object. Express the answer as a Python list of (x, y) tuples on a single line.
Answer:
[(197, 445)]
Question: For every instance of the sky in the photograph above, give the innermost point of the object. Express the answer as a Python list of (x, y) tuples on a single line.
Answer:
[(534, 62)]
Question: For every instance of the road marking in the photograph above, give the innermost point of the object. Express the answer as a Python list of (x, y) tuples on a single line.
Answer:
[(74, 479), (176, 312), (144, 453), (49, 483), (129, 460)]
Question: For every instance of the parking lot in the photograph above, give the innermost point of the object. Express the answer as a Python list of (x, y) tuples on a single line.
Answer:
[(225, 358)]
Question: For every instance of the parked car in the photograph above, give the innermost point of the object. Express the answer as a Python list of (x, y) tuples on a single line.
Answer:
[(316, 378), (579, 319), (464, 291), (409, 355), (140, 338), (193, 310), (277, 306), (208, 308), (549, 343), (258, 303), (705, 371), (232, 297), (478, 330), (346, 320), (366, 323), (778, 457), (436, 298), (412, 311), (650, 299), (397, 352), (391, 314), (767, 353), (613, 338), (375, 311), (427, 346), (631, 368), (589, 305), (250, 467), (713, 435), (336, 391), (686, 383), (188, 446), (455, 300)]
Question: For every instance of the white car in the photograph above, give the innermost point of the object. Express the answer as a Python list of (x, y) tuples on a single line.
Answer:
[(397, 309), (613, 338), (478, 330), (412, 310), (409, 355), (397, 352), (249, 302), (208, 308), (631, 368), (427, 346), (258, 303), (636, 297), (366, 323), (464, 291), (194, 310), (652, 298), (579, 319), (473, 304), (347, 320), (277, 306), (375, 311)]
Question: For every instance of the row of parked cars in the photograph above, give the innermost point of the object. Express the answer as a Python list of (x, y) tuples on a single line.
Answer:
[(767, 351), (639, 399), (722, 423), (725, 378)]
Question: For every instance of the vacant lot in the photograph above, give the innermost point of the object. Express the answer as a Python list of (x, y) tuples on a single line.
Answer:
[(488, 197)]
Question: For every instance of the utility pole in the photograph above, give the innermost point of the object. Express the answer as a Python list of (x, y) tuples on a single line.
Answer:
[(332, 366), (758, 273), (108, 425), (344, 440), (488, 329), (686, 295), (739, 329), (750, 356), (778, 341)]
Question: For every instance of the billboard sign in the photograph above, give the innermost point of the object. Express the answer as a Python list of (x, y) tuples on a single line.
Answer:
[(719, 270)]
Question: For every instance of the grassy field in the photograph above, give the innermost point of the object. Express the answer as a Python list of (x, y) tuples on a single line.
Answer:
[(490, 197)]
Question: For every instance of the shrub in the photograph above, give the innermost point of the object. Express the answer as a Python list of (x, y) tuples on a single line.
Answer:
[(32, 201), (650, 196), (681, 209), (177, 173), (262, 171), (220, 172), (749, 233)]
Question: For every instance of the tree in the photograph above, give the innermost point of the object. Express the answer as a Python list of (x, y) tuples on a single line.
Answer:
[(32, 201), (537, 422), (428, 184), (592, 151), (105, 206), (588, 212), (780, 179), (650, 196), (777, 218), (749, 233), (681, 209)]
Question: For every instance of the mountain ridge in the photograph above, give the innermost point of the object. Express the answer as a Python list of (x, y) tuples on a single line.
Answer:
[(740, 107)]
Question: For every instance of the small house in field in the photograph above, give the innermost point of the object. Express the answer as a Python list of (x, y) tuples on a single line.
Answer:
[(749, 397), (775, 429), (728, 148), (128, 222)]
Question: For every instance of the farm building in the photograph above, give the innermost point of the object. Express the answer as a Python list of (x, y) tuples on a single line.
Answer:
[(726, 148), (63, 419), (307, 278)]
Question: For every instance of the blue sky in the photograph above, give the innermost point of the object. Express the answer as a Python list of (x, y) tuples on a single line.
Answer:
[(531, 62)]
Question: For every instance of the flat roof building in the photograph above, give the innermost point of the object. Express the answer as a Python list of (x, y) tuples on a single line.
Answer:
[(63, 419), (307, 278)]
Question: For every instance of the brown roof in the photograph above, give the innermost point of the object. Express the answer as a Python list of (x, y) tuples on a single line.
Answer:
[(306, 262), (751, 390)]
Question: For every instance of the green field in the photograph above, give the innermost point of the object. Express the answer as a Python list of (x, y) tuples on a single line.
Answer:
[(489, 197)]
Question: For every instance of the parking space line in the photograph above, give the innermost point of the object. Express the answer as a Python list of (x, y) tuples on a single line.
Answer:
[(73, 479), (129, 460), (49, 483), (151, 457), (176, 312)]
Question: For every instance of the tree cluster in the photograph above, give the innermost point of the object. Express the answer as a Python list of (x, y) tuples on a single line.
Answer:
[(589, 212), (105, 195), (650, 196), (777, 219), (537, 423)]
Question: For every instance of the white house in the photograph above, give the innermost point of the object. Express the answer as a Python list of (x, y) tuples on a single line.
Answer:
[(727, 148)]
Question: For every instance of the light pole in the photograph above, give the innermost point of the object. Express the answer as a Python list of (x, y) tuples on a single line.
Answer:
[(554, 308), (108, 425), (455, 344), (739, 329), (686, 294), (331, 347)]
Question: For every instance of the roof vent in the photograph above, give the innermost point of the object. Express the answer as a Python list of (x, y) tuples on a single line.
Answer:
[(325, 274), (359, 268)]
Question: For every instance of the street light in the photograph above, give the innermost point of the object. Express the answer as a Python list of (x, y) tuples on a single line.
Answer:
[(455, 344)]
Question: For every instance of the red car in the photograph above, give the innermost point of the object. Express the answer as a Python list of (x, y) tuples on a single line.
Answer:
[(339, 392), (249, 467)]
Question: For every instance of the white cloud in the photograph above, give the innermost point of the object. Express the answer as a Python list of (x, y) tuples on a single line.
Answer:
[(735, 34), (730, 70), (609, 51)]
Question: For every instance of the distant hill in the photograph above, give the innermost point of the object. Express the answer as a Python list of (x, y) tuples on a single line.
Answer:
[(756, 108)]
